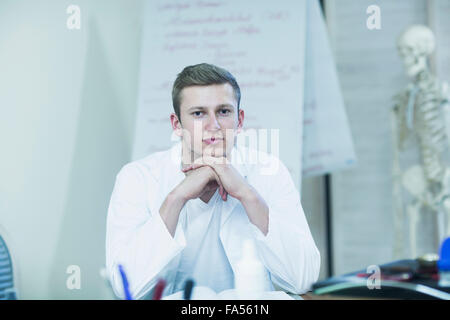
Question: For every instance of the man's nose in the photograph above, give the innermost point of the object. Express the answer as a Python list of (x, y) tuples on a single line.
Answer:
[(212, 123)]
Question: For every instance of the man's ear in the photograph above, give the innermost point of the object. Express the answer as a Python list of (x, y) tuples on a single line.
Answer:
[(176, 125), (240, 120)]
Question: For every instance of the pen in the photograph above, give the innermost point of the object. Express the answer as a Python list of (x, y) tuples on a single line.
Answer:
[(125, 283), (188, 286), (159, 289)]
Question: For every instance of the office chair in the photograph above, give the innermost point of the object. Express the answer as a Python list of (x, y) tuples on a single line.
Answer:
[(7, 290)]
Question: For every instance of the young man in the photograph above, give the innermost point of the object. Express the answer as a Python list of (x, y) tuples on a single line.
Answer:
[(185, 212)]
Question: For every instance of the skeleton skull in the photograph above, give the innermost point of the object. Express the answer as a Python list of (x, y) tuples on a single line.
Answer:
[(415, 44)]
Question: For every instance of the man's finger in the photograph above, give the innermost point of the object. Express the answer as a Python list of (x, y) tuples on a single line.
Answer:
[(208, 160), (199, 165), (222, 191), (215, 160), (187, 168)]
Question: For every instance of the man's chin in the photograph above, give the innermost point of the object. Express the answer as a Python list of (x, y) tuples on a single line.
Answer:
[(216, 151)]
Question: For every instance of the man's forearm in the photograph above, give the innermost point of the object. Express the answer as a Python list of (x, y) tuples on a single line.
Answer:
[(256, 208), (170, 210)]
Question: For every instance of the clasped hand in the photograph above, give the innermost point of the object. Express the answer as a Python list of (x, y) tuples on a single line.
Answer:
[(216, 170)]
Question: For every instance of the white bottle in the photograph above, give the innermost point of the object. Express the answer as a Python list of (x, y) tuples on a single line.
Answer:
[(250, 274)]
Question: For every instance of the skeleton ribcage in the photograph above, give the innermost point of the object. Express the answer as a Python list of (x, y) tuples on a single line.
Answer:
[(432, 135)]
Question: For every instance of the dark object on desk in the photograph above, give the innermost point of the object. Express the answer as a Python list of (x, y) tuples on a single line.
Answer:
[(188, 286), (7, 291), (428, 264), (159, 288), (403, 279)]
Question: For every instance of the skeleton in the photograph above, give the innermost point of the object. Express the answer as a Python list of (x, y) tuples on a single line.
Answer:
[(419, 114)]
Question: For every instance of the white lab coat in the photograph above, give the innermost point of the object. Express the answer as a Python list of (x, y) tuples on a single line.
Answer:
[(138, 239)]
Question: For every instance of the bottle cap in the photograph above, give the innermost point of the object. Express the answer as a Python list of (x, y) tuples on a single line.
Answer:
[(428, 260)]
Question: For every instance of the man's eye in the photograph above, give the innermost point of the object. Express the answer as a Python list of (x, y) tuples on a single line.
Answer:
[(225, 111), (197, 113)]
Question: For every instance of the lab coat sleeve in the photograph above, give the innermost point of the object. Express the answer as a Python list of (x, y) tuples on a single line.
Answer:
[(135, 237), (288, 250)]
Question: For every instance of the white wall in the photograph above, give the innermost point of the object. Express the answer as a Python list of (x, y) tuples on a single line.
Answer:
[(68, 101), (440, 22)]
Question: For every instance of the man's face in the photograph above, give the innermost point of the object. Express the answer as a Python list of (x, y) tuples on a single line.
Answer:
[(209, 120)]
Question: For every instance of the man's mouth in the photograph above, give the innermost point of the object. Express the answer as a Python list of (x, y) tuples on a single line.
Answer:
[(212, 140)]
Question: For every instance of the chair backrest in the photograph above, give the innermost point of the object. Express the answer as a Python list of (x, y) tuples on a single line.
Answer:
[(7, 291)]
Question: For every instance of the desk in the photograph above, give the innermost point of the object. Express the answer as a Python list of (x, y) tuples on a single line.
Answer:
[(312, 296)]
